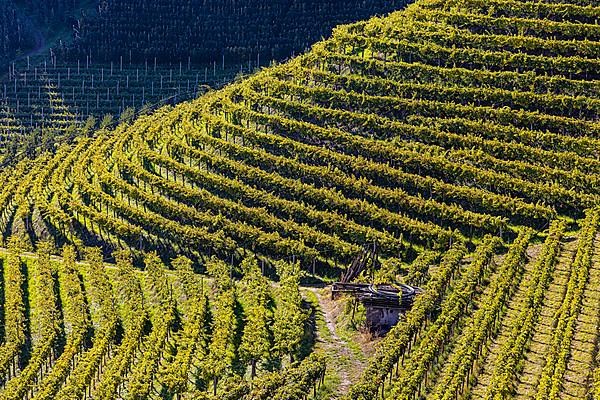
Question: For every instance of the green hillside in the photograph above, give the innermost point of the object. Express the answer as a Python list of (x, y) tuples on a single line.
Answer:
[(65, 61), (398, 130), (466, 129)]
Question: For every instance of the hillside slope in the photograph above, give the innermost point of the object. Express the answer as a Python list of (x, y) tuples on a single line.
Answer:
[(206, 30), (466, 127), (413, 130)]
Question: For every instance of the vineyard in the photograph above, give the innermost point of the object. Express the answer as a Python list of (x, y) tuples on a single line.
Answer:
[(72, 60), (459, 138), (54, 102), (205, 31), (113, 333)]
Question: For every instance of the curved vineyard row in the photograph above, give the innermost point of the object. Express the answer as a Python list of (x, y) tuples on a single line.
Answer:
[(456, 139), (387, 142)]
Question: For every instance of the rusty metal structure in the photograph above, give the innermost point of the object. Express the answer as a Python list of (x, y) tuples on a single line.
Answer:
[(384, 304)]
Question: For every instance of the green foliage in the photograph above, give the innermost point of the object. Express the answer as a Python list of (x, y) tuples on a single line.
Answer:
[(256, 341), (290, 317), (127, 115), (88, 127), (447, 136), (221, 273), (388, 272), (106, 121), (221, 349)]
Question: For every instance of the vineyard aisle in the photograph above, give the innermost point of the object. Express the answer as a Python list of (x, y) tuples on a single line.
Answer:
[(585, 339), (542, 336), (346, 358), (514, 306)]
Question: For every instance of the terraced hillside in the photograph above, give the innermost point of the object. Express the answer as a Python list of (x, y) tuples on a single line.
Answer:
[(207, 30), (389, 143), (68, 60), (465, 129), (54, 102)]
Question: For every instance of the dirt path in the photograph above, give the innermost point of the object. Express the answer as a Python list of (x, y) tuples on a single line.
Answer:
[(345, 360)]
